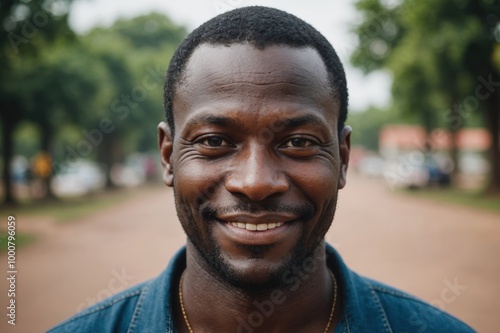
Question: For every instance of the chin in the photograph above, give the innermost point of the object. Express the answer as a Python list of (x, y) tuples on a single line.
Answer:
[(254, 274)]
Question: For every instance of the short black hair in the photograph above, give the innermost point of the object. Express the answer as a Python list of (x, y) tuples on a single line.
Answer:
[(260, 27)]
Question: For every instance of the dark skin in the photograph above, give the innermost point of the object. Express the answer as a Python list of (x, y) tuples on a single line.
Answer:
[(255, 143)]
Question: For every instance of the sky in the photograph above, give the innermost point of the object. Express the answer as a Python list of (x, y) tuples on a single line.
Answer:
[(333, 18)]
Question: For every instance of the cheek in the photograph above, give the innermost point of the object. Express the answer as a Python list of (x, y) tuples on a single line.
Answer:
[(317, 181), (196, 183)]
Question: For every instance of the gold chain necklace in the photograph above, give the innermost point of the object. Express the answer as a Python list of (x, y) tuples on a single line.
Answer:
[(330, 318)]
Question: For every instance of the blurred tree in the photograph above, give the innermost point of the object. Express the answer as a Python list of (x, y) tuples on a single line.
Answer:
[(135, 53), (28, 27), (106, 129), (444, 57), (153, 31), (105, 86), (58, 88)]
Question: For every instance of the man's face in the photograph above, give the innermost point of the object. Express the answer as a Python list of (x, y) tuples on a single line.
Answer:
[(255, 147)]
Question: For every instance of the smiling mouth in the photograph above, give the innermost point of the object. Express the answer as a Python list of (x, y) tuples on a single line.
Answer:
[(256, 227)]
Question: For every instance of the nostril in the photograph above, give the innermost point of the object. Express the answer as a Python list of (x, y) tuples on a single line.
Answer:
[(256, 187)]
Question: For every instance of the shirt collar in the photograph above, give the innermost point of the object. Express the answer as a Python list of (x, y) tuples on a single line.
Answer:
[(362, 310), (154, 311)]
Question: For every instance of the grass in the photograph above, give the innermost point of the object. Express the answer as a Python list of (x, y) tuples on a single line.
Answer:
[(63, 211), (472, 199), (69, 209), (21, 239)]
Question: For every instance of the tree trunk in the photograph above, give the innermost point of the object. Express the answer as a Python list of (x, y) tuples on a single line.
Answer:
[(8, 144), (493, 123), (46, 147), (454, 127), (110, 152), (454, 153), (428, 120)]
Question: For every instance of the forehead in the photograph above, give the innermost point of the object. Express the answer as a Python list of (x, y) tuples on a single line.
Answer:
[(282, 76)]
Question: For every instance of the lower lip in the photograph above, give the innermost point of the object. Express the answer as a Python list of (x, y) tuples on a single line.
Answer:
[(250, 237)]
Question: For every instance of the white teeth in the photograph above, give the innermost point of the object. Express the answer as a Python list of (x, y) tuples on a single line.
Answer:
[(256, 227), (250, 226), (262, 227)]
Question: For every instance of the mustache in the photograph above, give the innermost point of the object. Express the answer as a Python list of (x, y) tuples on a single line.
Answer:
[(304, 209)]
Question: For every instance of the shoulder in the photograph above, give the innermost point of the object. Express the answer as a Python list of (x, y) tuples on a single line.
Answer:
[(371, 306), (113, 314), (144, 307), (404, 311)]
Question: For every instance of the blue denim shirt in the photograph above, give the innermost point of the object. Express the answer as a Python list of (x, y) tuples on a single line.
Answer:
[(368, 306)]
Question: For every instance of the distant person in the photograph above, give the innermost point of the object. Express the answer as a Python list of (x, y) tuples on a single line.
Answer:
[(438, 170), (256, 149), (41, 166)]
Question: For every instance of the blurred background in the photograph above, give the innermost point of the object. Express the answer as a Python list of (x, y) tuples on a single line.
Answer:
[(81, 96)]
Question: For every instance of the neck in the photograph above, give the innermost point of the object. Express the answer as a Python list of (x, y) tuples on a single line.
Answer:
[(302, 304)]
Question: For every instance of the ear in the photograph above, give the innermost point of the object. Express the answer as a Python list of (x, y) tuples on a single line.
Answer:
[(165, 144), (344, 149)]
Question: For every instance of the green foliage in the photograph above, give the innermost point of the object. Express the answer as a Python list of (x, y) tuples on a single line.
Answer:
[(440, 53), (58, 87), (135, 53), (69, 210), (30, 26), (26, 142), (151, 31), (433, 48), (106, 85), (21, 240), (451, 196)]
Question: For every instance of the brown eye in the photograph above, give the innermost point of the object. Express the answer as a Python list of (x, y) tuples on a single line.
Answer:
[(213, 142), (298, 143)]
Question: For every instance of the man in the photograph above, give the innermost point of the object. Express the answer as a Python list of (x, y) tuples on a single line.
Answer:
[(256, 149)]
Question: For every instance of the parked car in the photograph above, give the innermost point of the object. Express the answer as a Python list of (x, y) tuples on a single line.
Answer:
[(372, 166), (418, 169), (78, 178)]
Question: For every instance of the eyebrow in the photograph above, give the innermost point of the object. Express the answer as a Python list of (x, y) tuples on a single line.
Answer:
[(302, 120), (214, 120), (288, 123)]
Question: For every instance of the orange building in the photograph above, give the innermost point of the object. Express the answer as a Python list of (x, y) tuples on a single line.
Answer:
[(398, 138)]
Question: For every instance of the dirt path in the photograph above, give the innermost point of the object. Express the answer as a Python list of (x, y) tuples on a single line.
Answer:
[(423, 247)]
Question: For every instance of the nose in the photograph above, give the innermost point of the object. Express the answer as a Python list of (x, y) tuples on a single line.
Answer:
[(256, 174)]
